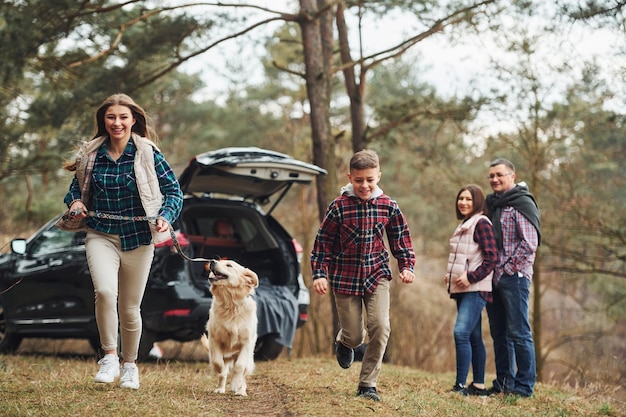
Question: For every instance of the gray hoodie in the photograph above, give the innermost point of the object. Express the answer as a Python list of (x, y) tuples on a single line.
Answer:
[(348, 190)]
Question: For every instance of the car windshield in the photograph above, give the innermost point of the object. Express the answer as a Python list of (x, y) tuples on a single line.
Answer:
[(55, 240)]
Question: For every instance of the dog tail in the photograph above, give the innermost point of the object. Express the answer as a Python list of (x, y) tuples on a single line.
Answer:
[(205, 340)]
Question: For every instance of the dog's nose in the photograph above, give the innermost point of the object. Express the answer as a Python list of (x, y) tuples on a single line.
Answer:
[(211, 263)]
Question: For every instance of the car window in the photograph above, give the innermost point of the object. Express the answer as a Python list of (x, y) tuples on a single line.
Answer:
[(55, 240), (248, 228), (222, 227), (254, 235), (204, 226)]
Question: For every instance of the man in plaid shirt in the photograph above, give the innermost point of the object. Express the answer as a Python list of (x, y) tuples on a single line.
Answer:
[(349, 253), (515, 217)]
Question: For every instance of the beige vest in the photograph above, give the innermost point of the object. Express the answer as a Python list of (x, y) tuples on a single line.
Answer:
[(466, 255), (145, 176)]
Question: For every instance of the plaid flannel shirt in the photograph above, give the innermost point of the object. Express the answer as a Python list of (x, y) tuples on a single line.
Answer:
[(483, 235), (114, 191), (349, 248), (520, 241)]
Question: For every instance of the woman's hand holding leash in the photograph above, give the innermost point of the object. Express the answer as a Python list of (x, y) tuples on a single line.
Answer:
[(77, 208), (162, 225)]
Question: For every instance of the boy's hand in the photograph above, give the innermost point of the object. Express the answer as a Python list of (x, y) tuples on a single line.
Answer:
[(407, 276), (320, 285)]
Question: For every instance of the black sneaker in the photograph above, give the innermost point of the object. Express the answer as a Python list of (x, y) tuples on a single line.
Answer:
[(459, 389), (345, 355), (368, 392), (494, 391), (474, 390), (517, 394), (497, 388)]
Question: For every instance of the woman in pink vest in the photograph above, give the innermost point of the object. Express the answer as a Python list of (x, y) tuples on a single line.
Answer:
[(473, 256)]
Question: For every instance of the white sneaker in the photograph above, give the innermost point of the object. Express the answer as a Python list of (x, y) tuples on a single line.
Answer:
[(130, 376), (109, 369)]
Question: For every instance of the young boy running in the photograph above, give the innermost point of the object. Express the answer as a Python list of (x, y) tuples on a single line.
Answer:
[(349, 253)]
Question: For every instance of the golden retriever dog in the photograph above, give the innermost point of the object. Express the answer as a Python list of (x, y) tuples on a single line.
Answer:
[(232, 325)]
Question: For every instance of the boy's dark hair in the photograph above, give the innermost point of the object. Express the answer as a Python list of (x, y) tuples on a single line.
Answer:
[(478, 199), (364, 159)]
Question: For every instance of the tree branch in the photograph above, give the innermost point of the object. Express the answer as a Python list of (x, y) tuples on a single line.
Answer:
[(183, 59), (406, 44)]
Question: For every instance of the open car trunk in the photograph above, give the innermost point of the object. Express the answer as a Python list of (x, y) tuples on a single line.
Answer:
[(229, 186), (252, 247)]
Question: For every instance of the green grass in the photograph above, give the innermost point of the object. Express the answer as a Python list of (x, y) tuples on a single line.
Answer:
[(52, 385)]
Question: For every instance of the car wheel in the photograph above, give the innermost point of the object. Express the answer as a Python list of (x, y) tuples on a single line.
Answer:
[(94, 342), (9, 342), (145, 346), (267, 348)]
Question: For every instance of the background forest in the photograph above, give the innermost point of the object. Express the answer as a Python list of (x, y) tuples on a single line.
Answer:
[(297, 77)]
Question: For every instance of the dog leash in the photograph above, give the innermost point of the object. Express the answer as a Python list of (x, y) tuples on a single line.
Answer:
[(101, 215), (153, 219)]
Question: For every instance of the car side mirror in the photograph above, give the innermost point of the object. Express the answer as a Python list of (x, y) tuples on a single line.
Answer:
[(18, 246)]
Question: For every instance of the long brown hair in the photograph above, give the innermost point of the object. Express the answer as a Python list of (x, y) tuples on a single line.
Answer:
[(141, 126), (478, 201)]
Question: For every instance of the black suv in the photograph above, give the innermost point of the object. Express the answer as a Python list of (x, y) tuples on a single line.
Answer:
[(46, 289)]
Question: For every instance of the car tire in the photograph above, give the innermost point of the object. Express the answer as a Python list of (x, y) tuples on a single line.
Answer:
[(94, 342), (9, 342), (145, 346), (267, 348)]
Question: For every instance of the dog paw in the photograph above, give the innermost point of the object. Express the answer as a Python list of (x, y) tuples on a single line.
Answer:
[(219, 390), (241, 393)]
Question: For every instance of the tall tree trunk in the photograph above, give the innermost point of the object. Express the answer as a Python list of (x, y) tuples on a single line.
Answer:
[(353, 88), (535, 152), (537, 329), (328, 48), (28, 205), (317, 38)]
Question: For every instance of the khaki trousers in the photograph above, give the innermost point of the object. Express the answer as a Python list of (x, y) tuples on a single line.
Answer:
[(119, 281), (352, 328)]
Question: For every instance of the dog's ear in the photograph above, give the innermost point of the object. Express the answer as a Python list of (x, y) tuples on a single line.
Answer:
[(251, 277)]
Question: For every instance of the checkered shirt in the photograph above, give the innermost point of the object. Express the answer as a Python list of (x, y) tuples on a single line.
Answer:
[(114, 191), (349, 248)]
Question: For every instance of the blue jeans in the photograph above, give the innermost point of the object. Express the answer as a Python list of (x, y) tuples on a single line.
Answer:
[(468, 337), (513, 344)]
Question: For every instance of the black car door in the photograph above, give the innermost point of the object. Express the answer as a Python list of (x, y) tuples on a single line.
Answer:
[(55, 292)]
